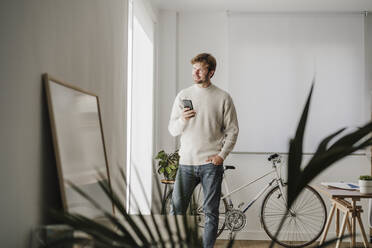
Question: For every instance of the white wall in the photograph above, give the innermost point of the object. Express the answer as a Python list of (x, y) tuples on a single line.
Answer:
[(166, 86), (273, 59), (199, 32), (83, 42), (368, 57)]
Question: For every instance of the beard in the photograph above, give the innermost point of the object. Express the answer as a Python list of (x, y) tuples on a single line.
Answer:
[(205, 79), (200, 81)]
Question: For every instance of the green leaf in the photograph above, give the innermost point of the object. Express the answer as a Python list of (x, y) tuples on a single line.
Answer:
[(172, 175), (156, 225), (105, 187), (354, 137), (163, 163), (172, 166), (108, 215), (322, 160), (160, 154), (295, 151), (323, 144)]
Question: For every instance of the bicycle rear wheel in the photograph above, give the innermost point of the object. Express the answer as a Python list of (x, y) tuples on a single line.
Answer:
[(196, 208), (167, 204), (304, 222)]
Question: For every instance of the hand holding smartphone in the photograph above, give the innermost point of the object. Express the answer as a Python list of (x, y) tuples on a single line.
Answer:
[(188, 114), (187, 104)]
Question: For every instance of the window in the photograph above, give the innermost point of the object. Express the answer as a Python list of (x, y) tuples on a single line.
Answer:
[(140, 109)]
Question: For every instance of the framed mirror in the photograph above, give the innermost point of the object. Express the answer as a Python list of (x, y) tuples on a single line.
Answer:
[(79, 146)]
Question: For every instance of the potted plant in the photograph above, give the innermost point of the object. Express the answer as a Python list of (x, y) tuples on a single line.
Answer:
[(365, 184), (168, 164)]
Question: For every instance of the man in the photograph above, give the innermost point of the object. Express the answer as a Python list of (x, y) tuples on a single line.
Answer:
[(208, 134)]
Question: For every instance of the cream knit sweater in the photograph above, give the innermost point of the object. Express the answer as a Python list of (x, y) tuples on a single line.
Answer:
[(214, 128)]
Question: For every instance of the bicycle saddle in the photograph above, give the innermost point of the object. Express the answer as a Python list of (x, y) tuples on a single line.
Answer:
[(273, 156)]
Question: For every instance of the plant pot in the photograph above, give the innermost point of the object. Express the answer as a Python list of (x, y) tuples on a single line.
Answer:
[(365, 186), (170, 178)]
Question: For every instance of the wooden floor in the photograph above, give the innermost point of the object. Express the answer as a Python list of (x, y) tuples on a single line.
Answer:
[(244, 243), (264, 244)]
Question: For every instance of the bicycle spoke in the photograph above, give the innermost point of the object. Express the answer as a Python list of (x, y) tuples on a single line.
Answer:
[(303, 223)]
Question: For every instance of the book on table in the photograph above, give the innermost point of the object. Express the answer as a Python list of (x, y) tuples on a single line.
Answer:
[(341, 185)]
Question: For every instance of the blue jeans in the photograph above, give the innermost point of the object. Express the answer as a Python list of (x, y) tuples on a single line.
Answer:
[(188, 177)]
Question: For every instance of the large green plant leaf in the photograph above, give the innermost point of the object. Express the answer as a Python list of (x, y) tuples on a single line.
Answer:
[(323, 157), (127, 233), (158, 232), (295, 151)]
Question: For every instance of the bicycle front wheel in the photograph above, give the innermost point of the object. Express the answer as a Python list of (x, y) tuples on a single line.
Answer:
[(304, 222)]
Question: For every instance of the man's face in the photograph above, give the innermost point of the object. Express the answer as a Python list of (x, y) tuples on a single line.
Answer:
[(200, 73)]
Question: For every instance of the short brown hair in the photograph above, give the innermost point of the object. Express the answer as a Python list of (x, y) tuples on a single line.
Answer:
[(205, 58)]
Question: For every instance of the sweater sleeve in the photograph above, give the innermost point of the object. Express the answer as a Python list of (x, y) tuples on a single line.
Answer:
[(176, 123), (231, 128)]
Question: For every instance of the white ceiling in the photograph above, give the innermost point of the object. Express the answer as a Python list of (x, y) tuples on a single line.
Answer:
[(264, 5)]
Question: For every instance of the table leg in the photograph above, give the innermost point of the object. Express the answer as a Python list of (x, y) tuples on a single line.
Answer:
[(342, 231), (337, 221), (353, 223), (324, 235), (348, 225), (365, 241)]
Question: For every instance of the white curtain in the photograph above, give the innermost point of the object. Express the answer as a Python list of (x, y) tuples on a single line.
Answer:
[(272, 61)]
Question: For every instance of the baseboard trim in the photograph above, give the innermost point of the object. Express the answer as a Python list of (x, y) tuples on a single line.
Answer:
[(261, 235), (246, 235)]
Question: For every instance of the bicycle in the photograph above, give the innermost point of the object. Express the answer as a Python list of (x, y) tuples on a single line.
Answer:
[(304, 222)]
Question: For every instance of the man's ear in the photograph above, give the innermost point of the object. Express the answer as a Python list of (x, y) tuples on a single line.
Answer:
[(211, 73)]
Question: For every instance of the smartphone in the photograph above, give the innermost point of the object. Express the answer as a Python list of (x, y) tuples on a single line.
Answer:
[(187, 104)]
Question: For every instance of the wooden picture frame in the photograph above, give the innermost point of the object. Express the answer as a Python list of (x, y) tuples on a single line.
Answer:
[(79, 146)]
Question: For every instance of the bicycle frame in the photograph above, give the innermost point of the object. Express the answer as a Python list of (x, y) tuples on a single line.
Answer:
[(277, 180)]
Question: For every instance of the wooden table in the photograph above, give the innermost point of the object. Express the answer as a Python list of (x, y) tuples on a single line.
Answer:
[(350, 210)]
